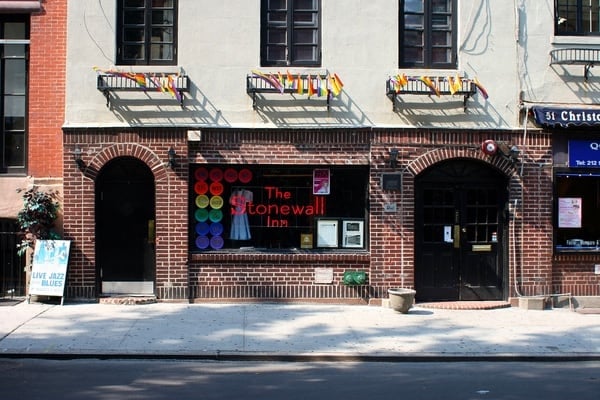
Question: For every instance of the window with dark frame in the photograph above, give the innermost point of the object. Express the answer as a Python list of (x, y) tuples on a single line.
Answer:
[(14, 32), (273, 206), (147, 32), (291, 33), (577, 211), (427, 34), (576, 17)]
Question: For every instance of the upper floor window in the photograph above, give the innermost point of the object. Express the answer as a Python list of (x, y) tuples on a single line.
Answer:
[(428, 33), (14, 46), (147, 32), (291, 33), (576, 17)]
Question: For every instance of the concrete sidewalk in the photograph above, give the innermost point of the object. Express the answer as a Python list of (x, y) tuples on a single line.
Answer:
[(293, 331)]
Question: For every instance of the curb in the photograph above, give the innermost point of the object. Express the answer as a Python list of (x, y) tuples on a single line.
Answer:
[(317, 357)]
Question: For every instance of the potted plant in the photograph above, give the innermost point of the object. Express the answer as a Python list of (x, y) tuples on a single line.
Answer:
[(401, 299)]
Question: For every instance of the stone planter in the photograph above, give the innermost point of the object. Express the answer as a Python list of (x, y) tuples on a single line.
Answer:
[(401, 300)]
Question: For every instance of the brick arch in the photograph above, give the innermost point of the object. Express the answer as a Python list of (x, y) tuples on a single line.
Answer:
[(142, 153), (434, 156)]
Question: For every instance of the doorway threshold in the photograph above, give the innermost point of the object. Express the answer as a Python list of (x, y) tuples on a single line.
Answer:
[(127, 299), (465, 305)]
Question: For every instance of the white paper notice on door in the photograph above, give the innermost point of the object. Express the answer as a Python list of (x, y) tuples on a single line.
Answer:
[(569, 212)]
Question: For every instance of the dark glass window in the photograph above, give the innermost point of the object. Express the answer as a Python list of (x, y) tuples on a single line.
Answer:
[(576, 17), (577, 211), (428, 33), (291, 33), (277, 207), (147, 32), (14, 33)]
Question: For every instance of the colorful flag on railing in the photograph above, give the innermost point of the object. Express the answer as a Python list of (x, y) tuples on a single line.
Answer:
[(299, 85), (289, 81), (270, 79), (335, 84), (479, 86), (321, 87), (172, 88), (311, 88), (427, 81)]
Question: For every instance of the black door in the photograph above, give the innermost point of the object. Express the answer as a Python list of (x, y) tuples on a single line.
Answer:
[(460, 233), (125, 226)]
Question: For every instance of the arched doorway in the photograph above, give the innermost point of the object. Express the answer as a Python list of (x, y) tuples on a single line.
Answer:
[(461, 232), (125, 209)]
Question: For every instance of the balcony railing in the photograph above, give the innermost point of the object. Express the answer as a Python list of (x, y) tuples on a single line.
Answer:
[(576, 56), (170, 84), (401, 85)]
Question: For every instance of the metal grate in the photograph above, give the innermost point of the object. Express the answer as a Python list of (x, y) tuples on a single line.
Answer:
[(12, 274)]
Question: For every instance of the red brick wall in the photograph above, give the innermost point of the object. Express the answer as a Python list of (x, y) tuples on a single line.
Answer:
[(389, 260), (47, 69)]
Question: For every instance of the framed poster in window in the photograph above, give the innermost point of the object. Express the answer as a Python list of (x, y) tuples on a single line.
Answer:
[(327, 233), (352, 233)]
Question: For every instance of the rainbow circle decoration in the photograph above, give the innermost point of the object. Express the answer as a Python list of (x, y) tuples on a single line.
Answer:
[(216, 174), (245, 175), (200, 187), (230, 175), (216, 202), (216, 188), (202, 228), (216, 242), (201, 214), (202, 242), (201, 174), (202, 201), (215, 215), (216, 229)]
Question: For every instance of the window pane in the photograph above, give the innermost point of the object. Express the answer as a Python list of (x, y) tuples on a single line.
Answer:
[(304, 53), (305, 5), (441, 21), (277, 5), (133, 35), (14, 50), (441, 55), (413, 55), (305, 36), (162, 51), (276, 53), (134, 17), (305, 18), (15, 30), (413, 6), (413, 21), (133, 52), (441, 38), (162, 3), (413, 38), (276, 36), (14, 106), (277, 17), (133, 3), (14, 76), (14, 123), (15, 149), (162, 17), (162, 35), (441, 5)]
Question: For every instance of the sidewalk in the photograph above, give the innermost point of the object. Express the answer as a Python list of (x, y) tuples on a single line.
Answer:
[(293, 331)]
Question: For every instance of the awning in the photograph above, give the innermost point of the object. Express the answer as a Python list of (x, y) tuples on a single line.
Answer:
[(20, 6), (566, 116)]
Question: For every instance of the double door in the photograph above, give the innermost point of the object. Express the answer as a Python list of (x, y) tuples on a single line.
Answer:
[(459, 241)]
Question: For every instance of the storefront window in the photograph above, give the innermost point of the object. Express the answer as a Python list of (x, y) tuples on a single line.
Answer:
[(577, 210), (277, 207)]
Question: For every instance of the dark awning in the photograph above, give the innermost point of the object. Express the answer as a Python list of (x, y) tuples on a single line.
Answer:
[(20, 6), (566, 116)]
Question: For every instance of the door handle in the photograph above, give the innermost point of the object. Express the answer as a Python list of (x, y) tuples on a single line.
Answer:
[(456, 236)]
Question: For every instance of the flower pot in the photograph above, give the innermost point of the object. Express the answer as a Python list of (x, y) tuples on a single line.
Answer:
[(401, 299)]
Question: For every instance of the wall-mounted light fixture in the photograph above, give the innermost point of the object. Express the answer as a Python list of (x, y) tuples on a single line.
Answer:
[(77, 158), (393, 158), (172, 157)]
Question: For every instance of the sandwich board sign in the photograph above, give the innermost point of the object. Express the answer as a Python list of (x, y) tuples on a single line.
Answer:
[(49, 269)]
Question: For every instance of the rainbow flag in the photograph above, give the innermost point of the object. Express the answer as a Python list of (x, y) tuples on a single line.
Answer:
[(479, 86), (427, 81), (321, 87), (311, 88), (299, 85), (269, 79), (172, 88), (335, 84), (289, 81)]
